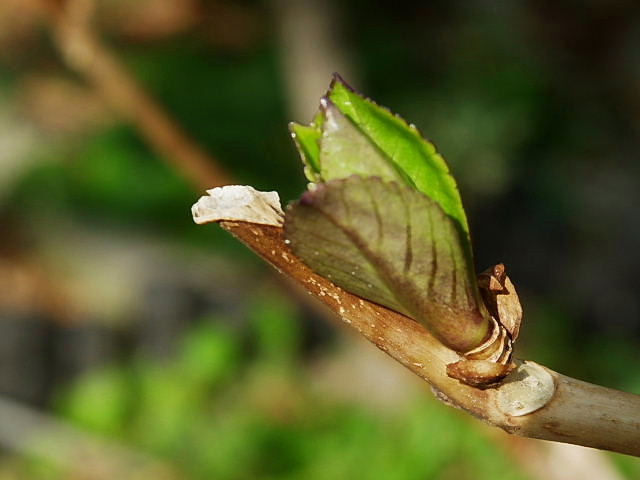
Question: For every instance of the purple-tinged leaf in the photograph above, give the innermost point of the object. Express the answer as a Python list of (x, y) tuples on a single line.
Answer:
[(393, 245)]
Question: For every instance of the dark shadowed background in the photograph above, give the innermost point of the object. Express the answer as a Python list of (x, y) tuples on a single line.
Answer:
[(135, 344)]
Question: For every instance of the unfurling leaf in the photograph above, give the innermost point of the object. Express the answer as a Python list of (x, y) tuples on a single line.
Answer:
[(353, 135), (345, 151), (307, 140), (393, 245)]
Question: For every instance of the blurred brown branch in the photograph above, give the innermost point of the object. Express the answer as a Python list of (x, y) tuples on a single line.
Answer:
[(307, 64), (83, 51)]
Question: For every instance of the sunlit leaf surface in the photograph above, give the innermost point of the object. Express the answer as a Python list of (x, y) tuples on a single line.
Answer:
[(353, 135), (404, 146), (307, 140)]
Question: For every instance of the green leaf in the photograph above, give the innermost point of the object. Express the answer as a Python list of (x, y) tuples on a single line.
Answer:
[(307, 140), (395, 246), (404, 146), (345, 151)]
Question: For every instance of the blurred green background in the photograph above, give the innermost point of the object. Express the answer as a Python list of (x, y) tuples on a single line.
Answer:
[(134, 344)]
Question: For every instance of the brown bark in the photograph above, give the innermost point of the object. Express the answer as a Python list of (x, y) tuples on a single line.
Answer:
[(577, 412)]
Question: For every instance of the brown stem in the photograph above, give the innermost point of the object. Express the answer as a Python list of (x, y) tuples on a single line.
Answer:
[(532, 402)]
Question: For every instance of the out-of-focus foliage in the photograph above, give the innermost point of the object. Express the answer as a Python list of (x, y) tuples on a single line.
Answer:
[(535, 106), (225, 408)]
